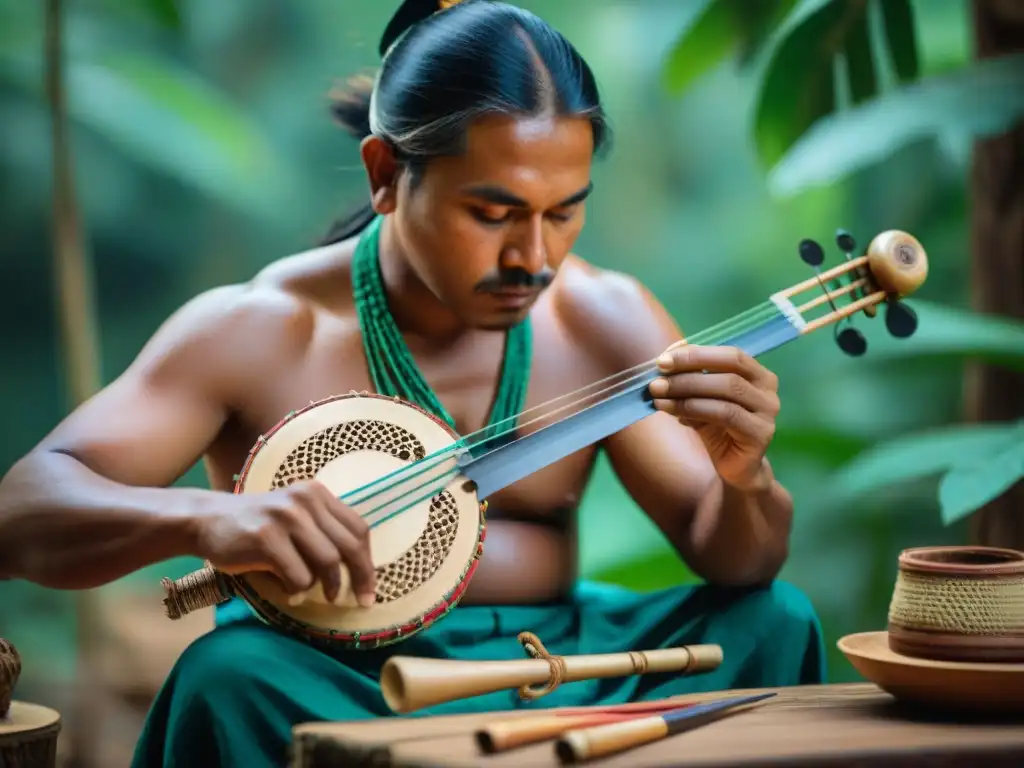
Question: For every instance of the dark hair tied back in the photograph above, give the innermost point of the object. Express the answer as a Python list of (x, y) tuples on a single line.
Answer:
[(443, 69)]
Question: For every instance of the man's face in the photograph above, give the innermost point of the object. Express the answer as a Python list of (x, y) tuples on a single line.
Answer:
[(487, 230)]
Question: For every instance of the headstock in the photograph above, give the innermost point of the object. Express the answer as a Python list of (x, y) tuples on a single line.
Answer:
[(894, 266)]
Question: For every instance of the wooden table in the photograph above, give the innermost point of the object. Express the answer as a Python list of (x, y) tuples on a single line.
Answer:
[(829, 726)]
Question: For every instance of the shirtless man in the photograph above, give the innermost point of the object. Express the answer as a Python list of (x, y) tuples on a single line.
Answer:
[(478, 152)]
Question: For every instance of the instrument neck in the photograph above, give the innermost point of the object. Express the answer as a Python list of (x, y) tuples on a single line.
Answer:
[(392, 368), (507, 464)]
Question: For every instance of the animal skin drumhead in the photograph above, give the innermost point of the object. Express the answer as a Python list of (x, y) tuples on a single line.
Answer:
[(421, 553)]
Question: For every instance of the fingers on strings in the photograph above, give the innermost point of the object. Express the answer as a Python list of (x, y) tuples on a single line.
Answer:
[(717, 385)]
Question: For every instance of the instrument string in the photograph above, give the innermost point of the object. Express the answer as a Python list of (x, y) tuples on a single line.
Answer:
[(602, 389), (608, 386)]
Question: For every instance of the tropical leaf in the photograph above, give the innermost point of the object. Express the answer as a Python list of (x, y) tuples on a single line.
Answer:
[(700, 47), (951, 333), (173, 121), (721, 28), (898, 23), (915, 457), (860, 63), (980, 100), (756, 22), (981, 478), (799, 84), (829, 446)]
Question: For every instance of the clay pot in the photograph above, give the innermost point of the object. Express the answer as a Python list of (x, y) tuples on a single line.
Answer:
[(959, 604)]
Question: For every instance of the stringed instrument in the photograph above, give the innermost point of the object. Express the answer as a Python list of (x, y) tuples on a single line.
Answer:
[(422, 488)]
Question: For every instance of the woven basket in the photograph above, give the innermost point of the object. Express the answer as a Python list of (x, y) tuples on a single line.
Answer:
[(959, 604)]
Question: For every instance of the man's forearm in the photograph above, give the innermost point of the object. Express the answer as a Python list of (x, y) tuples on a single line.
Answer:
[(65, 527), (740, 536)]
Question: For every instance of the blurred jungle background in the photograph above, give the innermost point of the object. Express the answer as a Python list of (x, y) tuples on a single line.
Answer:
[(155, 148)]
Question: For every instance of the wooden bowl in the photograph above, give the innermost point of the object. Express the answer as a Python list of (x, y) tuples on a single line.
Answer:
[(959, 604), (954, 687)]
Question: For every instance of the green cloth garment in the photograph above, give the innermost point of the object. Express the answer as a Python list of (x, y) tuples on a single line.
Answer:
[(235, 693)]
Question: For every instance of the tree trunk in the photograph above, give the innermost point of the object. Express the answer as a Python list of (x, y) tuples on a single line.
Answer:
[(997, 245)]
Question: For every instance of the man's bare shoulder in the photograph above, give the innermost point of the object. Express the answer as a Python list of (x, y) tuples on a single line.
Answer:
[(611, 313), (269, 319), (318, 277)]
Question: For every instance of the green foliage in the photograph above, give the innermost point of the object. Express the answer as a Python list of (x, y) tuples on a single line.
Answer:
[(977, 479), (180, 125), (977, 462), (898, 20), (860, 62), (648, 573), (955, 335), (913, 456), (812, 44), (162, 115), (810, 135), (799, 85), (976, 101), (723, 27), (164, 11)]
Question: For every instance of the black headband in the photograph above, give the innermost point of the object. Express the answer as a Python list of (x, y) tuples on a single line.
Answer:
[(410, 12)]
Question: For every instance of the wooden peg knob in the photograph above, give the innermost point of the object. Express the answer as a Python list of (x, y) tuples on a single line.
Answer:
[(897, 262)]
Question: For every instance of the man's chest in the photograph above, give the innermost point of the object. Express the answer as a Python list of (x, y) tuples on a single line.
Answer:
[(464, 379)]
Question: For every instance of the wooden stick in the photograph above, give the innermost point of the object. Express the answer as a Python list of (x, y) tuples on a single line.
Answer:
[(511, 733), (603, 740), (875, 298), (824, 277), (825, 296)]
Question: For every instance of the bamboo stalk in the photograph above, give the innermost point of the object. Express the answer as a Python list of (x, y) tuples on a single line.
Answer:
[(79, 346)]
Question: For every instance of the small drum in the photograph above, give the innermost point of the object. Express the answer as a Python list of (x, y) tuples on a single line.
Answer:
[(426, 522), (28, 736)]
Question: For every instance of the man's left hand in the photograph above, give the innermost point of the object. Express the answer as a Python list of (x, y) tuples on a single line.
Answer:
[(729, 399)]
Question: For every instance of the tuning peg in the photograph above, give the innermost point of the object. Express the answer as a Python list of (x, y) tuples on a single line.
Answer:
[(852, 342), (845, 241), (900, 320), (812, 254)]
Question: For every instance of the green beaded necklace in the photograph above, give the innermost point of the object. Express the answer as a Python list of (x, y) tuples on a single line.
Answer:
[(392, 368)]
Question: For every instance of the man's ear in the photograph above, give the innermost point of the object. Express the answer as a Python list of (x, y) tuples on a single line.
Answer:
[(382, 169)]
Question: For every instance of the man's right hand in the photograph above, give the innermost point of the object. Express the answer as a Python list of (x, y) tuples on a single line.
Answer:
[(301, 534)]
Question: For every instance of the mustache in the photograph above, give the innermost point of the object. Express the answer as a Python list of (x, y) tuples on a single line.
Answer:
[(514, 278)]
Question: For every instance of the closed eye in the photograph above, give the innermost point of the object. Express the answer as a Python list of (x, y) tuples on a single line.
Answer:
[(488, 217), (563, 215)]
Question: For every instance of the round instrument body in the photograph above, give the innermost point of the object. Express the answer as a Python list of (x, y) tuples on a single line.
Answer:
[(424, 555)]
